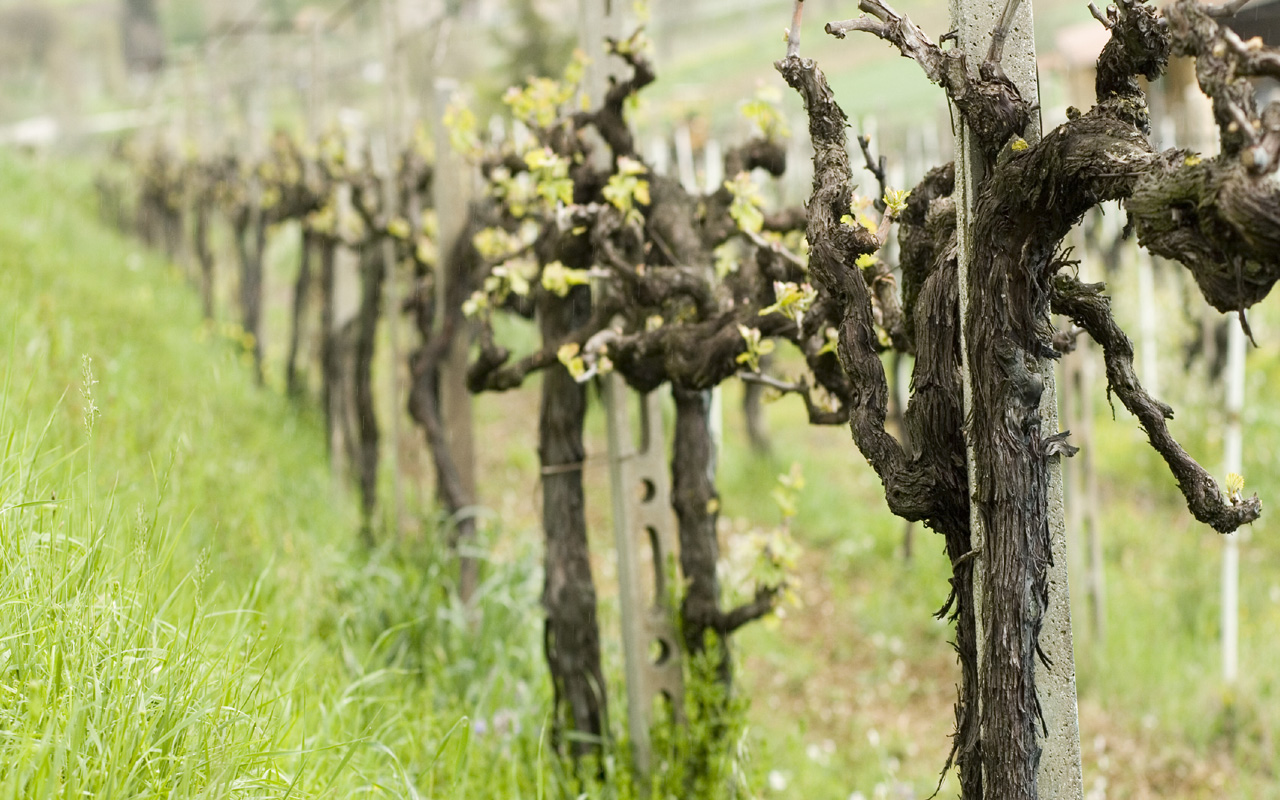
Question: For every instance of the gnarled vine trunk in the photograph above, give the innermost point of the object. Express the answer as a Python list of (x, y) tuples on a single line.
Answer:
[(696, 503), (300, 289), (372, 275), (204, 256), (328, 351), (572, 637), (251, 242)]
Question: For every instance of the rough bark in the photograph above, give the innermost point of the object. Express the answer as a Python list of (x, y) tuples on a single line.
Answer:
[(424, 393), (251, 240), (372, 275), (1089, 308), (696, 501), (1023, 211), (328, 351), (1218, 217), (572, 638)]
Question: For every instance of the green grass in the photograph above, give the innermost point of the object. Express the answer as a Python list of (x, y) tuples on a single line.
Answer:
[(184, 611)]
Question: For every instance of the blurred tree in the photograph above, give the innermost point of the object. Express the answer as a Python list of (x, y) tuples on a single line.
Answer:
[(142, 37), (533, 44), (28, 32)]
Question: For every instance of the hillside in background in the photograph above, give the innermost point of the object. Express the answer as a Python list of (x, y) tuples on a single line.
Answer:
[(65, 61)]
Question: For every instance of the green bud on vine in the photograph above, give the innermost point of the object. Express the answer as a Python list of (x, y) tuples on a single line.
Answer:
[(792, 300), (568, 354), (763, 111), (626, 189), (462, 126), (832, 339), (398, 228), (559, 279), (425, 251), (726, 262), (756, 348), (538, 103), (747, 202), (474, 305), (895, 200)]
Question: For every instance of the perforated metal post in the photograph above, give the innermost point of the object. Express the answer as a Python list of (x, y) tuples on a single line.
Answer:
[(640, 483), (645, 537), (1059, 776)]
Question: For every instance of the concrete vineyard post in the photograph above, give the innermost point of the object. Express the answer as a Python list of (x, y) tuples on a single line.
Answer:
[(1059, 776), (1233, 458)]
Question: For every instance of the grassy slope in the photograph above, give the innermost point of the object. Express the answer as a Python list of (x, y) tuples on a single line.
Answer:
[(191, 617)]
